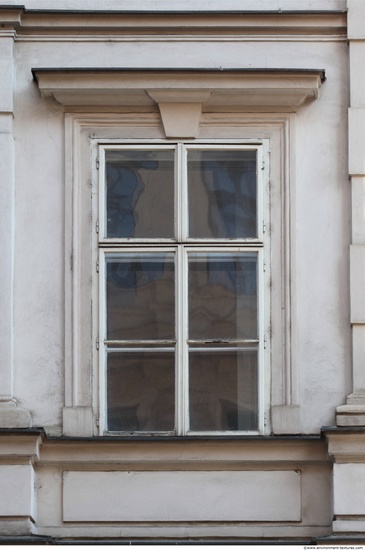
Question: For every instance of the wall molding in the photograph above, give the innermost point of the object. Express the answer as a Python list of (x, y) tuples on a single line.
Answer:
[(244, 89)]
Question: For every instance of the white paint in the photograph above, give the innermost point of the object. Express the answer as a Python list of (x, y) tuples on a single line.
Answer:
[(358, 210), (16, 484), (356, 141), (356, 17), (6, 266), (6, 216), (286, 419), (357, 50), (6, 73), (185, 124), (317, 179), (358, 336), (312, 146), (357, 265), (162, 5), (349, 489), (77, 421), (181, 496), (353, 413)]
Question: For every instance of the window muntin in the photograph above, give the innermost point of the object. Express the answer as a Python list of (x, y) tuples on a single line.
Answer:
[(188, 313)]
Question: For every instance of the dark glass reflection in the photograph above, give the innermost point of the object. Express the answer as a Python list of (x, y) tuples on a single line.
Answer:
[(141, 391), (222, 194), (140, 296), (223, 391), (140, 194), (223, 296)]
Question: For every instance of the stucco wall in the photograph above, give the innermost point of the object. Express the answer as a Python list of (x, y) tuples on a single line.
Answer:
[(270, 480), (319, 209)]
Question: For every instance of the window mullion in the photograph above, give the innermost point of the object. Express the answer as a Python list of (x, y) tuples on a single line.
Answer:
[(181, 345), (102, 338), (102, 187), (260, 167), (262, 340), (182, 403), (183, 194)]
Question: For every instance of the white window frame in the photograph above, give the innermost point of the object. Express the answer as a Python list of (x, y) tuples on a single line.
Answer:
[(84, 132), (181, 247)]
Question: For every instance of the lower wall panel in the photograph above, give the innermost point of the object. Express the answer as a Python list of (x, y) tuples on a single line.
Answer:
[(181, 496)]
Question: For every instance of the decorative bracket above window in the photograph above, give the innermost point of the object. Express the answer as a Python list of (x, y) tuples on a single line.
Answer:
[(182, 94)]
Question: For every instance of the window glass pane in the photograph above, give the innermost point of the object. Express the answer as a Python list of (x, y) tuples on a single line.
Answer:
[(222, 194), (140, 194), (140, 297), (141, 391), (223, 296), (223, 390)]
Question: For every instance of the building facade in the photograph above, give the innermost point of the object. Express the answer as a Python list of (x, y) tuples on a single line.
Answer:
[(183, 307)]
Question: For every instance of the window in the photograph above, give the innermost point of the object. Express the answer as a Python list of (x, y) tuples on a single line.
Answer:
[(181, 288), (257, 105)]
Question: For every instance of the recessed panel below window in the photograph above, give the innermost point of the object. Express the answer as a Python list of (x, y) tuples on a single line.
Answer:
[(141, 391), (223, 390)]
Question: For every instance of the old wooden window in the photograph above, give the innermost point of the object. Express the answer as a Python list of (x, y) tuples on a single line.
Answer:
[(182, 247)]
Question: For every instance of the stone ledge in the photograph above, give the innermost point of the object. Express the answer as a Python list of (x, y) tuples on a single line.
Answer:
[(346, 444), (284, 89), (15, 527), (12, 416), (350, 415)]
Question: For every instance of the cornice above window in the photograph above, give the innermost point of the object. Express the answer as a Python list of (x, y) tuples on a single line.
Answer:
[(182, 94)]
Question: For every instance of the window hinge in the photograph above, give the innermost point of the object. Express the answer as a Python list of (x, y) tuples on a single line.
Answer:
[(265, 343), (265, 419), (97, 226), (97, 266), (263, 165), (97, 163), (97, 420), (264, 227), (97, 343), (264, 267)]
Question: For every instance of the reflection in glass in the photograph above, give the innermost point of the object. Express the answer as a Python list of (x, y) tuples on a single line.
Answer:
[(223, 390), (222, 194), (141, 391), (140, 193), (140, 297), (223, 296)]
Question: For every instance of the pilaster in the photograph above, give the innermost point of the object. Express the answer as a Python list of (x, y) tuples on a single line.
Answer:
[(346, 442), (11, 416), (353, 413), (19, 450), (346, 446)]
